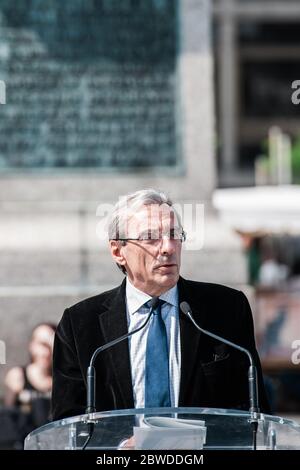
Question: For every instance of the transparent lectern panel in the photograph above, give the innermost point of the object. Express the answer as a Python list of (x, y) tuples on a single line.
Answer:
[(177, 428)]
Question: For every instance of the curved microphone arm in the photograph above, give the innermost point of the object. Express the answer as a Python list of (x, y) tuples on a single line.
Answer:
[(91, 372), (252, 373)]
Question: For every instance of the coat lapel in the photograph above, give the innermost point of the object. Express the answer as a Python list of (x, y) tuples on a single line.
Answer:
[(113, 323), (189, 338)]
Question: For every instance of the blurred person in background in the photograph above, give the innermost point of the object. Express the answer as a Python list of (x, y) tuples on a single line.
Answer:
[(28, 388)]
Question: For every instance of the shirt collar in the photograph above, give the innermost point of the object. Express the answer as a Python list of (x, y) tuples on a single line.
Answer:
[(135, 298)]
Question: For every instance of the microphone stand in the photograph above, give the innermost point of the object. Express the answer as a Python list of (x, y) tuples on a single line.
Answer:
[(252, 372), (91, 371)]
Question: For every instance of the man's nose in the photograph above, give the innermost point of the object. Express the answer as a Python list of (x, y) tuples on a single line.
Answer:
[(167, 246)]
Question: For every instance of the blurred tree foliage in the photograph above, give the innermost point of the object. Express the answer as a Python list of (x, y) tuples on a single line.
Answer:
[(296, 161), (266, 163)]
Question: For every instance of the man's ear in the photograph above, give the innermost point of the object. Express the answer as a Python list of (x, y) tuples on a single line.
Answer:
[(116, 249)]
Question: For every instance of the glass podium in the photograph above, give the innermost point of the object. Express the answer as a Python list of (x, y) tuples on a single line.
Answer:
[(166, 428)]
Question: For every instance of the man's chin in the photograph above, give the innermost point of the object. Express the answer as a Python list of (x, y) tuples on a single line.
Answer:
[(168, 279), (162, 282)]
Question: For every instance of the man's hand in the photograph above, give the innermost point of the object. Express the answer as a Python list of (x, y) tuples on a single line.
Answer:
[(127, 444)]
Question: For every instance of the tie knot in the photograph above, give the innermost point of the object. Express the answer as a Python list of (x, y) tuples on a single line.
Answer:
[(158, 306)]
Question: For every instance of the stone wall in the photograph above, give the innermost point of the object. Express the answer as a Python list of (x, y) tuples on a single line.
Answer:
[(50, 255)]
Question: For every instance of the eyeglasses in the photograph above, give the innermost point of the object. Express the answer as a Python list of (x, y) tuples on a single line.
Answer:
[(151, 236)]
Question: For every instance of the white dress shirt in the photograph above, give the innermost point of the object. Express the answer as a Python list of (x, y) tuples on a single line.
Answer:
[(136, 316)]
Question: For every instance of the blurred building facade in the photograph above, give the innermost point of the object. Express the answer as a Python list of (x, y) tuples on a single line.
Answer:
[(256, 49), (257, 46)]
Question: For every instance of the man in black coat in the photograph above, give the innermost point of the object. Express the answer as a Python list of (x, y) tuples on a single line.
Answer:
[(146, 236)]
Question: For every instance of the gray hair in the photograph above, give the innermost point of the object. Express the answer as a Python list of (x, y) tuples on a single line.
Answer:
[(134, 202)]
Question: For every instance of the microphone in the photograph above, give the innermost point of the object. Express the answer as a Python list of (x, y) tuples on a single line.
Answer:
[(252, 372), (91, 372)]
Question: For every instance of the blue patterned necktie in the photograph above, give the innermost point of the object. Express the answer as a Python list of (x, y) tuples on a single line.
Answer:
[(157, 388)]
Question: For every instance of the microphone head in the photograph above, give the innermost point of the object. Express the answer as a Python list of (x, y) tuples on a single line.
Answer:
[(153, 302), (185, 308)]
